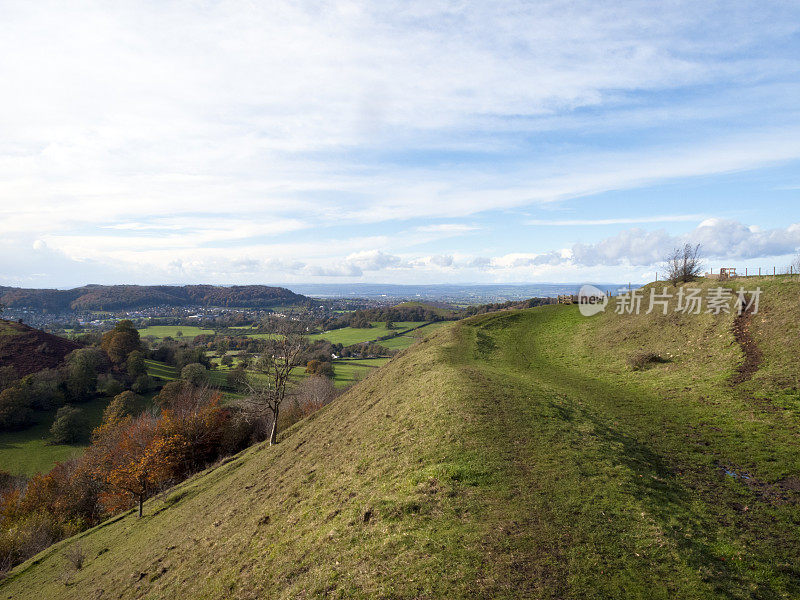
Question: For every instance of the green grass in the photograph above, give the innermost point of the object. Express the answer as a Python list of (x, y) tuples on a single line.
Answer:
[(162, 331), (511, 455), (31, 450)]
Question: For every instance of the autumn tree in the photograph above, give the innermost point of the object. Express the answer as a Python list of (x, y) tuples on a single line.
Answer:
[(320, 367), (121, 341), (280, 355), (134, 459), (196, 416)]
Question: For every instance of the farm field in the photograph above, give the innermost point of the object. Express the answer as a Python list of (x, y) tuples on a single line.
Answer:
[(162, 331), (352, 335), (348, 372)]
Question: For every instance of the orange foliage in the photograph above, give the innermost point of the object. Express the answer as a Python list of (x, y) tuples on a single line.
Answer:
[(132, 457)]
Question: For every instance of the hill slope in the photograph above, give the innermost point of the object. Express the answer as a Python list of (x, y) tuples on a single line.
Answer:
[(121, 297), (511, 455), (29, 350)]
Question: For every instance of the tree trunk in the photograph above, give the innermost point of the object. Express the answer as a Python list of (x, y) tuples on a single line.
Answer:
[(273, 436)]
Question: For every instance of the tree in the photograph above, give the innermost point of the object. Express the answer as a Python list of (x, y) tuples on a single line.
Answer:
[(121, 406), (237, 378), (226, 361), (8, 377), (320, 367), (142, 384), (44, 389), (279, 357), (390, 325), (170, 392), (108, 385), (69, 425), (135, 364), (794, 267), (315, 392), (195, 373), (121, 341), (196, 416), (684, 264), (134, 459), (15, 410), (83, 366)]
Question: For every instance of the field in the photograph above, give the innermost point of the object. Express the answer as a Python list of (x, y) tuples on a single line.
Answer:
[(162, 331), (511, 455), (31, 451), (351, 335), (348, 372)]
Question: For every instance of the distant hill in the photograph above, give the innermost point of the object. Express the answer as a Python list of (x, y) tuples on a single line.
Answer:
[(29, 350), (121, 297)]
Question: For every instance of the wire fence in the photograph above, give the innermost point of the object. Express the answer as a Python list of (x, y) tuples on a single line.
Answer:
[(725, 273)]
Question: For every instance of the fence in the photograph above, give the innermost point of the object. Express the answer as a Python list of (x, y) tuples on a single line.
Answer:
[(725, 273)]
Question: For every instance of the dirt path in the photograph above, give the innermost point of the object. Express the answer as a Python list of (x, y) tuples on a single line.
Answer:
[(752, 355)]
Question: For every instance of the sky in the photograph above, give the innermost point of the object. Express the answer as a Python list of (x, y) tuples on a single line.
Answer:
[(237, 142)]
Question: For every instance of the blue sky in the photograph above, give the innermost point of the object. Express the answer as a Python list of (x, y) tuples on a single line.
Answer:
[(399, 142)]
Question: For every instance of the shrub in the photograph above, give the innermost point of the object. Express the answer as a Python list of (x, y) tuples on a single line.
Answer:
[(641, 360), (684, 264), (75, 556)]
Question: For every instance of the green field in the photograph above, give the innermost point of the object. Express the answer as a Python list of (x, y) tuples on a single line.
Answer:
[(162, 331), (511, 455), (161, 370), (348, 372), (351, 335), (31, 450)]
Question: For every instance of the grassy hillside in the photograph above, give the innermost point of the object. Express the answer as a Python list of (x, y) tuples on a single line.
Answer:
[(511, 455)]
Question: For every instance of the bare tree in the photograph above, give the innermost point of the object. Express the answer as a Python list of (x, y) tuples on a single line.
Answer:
[(280, 355), (684, 264), (794, 267)]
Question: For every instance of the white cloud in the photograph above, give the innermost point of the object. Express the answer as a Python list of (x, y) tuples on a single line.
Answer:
[(616, 220), (719, 239), (140, 135)]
